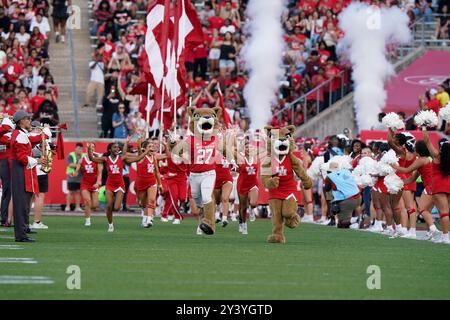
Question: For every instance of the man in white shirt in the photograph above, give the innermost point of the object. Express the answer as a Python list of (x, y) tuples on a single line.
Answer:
[(96, 85), (228, 27), (42, 23)]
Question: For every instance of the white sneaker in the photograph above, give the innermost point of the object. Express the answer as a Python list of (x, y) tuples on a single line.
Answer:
[(321, 220), (78, 209), (240, 227), (353, 220), (233, 218), (326, 222), (176, 221), (433, 235), (87, 223), (354, 226), (170, 218), (111, 228), (409, 236), (442, 240), (67, 209), (149, 222), (308, 218), (144, 221), (244, 228), (217, 215), (199, 231), (39, 225), (164, 220), (63, 39), (252, 216), (389, 231)]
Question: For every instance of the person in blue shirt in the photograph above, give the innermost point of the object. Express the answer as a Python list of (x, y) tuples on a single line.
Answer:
[(119, 122), (346, 194)]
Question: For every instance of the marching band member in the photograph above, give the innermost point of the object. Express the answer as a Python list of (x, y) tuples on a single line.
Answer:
[(6, 128)]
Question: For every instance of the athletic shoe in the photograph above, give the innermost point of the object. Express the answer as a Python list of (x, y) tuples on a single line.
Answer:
[(244, 229), (67, 209), (442, 240), (326, 222), (199, 231), (87, 223), (111, 228), (354, 226), (144, 221), (233, 217), (176, 221), (63, 39), (39, 225), (376, 228), (224, 223), (252, 216), (149, 222), (78, 209), (164, 220), (409, 236), (217, 214), (170, 218), (240, 227), (389, 232), (353, 220), (308, 218), (433, 235), (321, 220)]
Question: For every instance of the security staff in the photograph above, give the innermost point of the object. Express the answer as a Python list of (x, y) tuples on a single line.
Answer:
[(23, 172)]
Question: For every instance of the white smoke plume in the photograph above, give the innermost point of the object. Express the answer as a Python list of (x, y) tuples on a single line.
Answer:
[(368, 32), (263, 55)]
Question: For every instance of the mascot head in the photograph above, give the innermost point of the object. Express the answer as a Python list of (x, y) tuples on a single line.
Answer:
[(280, 141), (204, 121)]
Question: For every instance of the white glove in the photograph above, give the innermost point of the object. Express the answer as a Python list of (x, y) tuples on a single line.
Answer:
[(173, 137), (47, 132)]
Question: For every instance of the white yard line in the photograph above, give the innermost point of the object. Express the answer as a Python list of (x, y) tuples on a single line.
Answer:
[(6, 237), (18, 260), (25, 280), (10, 247)]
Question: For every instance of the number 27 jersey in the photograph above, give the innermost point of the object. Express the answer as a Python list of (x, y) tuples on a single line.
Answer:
[(203, 155)]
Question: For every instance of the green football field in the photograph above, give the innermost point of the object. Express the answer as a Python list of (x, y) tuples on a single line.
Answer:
[(172, 262)]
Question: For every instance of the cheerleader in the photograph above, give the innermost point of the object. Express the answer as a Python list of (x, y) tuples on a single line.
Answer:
[(440, 182), (307, 195), (115, 186), (223, 187), (423, 167), (147, 182), (90, 183), (247, 185), (403, 145)]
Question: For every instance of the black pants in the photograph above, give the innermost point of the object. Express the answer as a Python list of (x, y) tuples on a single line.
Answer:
[(21, 201), (127, 186), (200, 67), (6, 187), (107, 128)]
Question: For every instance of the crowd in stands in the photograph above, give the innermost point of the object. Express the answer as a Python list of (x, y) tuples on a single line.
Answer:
[(310, 59), (26, 82)]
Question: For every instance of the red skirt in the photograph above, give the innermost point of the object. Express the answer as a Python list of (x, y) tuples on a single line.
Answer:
[(144, 184), (115, 185)]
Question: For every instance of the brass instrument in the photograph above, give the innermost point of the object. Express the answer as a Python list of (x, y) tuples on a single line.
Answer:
[(47, 154)]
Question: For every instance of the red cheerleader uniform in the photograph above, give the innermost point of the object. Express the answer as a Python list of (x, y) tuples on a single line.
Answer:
[(379, 186), (440, 184), (248, 176), (146, 177), (89, 171), (177, 187), (115, 182), (405, 164), (223, 174), (163, 171), (426, 172), (288, 185)]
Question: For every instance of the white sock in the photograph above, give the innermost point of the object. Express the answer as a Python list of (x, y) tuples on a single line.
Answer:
[(255, 211), (433, 228), (412, 230), (57, 33), (224, 218), (111, 224), (88, 220)]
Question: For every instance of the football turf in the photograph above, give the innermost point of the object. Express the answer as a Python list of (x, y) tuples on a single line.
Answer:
[(172, 262)]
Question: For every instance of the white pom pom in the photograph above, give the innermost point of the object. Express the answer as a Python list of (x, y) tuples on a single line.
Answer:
[(393, 121), (427, 118), (357, 178), (314, 169), (393, 183), (444, 113), (389, 157), (384, 169), (344, 162), (367, 181)]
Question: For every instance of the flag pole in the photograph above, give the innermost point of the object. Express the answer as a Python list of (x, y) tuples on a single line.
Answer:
[(147, 134), (175, 98), (161, 110)]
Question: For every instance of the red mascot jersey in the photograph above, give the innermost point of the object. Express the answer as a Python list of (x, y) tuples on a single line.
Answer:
[(288, 185), (203, 155)]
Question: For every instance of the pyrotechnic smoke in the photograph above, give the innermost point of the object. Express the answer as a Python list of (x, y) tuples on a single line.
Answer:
[(369, 31), (263, 58)]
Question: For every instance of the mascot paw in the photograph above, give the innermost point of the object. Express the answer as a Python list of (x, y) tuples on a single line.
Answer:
[(276, 238), (206, 229), (273, 183), (292, 222)]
